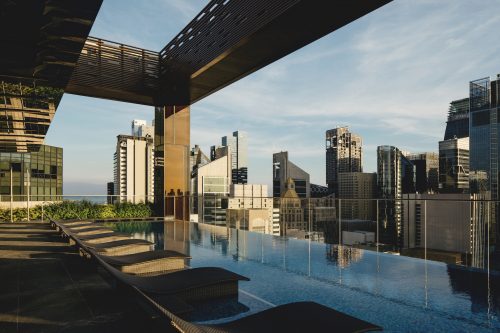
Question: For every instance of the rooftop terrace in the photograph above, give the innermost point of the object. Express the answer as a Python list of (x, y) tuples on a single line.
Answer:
[(47, 287)]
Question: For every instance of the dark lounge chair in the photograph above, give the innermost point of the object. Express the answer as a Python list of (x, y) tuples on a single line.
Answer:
[(287, 318), (104, 238), (177, 289), (148, 262), (119, 247), (86, 232)]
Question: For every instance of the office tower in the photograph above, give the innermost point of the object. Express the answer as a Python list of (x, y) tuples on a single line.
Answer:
[(37, 174), (457, 125), (454, 165), (284, 169), (395, 177), (211, 188), (134, 169), (250, 208), (359, 191), (238, 146), (141, 128), (484, 130), (484, 148), (440, 222), (321, 218), (343, 154), (426, 171)]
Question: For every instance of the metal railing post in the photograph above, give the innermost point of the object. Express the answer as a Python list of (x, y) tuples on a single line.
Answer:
[(11, 195), (340, 221)]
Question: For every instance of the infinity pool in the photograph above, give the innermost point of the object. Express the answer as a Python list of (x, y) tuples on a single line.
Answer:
[(400, 294)]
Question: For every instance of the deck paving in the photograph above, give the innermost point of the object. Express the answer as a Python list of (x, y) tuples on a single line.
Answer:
[(46, 287)]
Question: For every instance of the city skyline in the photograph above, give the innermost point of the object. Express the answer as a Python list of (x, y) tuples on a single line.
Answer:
[(407, 107)]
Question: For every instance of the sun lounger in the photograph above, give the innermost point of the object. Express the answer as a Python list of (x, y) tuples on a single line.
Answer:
[(120, 247), (148, 262), (104, 238), (89, 231), (287, 318), (190, 285)]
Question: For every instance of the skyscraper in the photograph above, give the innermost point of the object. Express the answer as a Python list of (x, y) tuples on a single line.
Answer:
[(484, 130), (457, 125), (395, 177), (238, 146), (454, 165), (134, 168), (426, 171), (484, 149), (211, 187), (141, 128), (343, 154), (284, 169), (360, 190)]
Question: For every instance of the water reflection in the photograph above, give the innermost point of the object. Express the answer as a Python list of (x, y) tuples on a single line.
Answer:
[(445, 290), (342, 255), (482, 288)]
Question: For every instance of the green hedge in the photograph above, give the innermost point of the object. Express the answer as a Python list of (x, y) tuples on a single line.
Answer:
[(80, 209)]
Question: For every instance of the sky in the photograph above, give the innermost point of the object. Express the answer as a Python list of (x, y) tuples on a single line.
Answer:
[(389, 76)]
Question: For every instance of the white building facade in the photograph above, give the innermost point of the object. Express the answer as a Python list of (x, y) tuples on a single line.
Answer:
[(134, 169)]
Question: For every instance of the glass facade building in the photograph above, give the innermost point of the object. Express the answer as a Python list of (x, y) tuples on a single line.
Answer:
[(484, 149), (454, 166), (39, 174), (238, 145), (484, 130), (457, 125), (395, 177)]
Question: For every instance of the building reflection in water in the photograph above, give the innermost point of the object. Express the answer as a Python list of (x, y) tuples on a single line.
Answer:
[(176, 236), (481, 286), (342, 255)]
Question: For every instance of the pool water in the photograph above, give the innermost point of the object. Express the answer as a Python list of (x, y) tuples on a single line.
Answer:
[(401, 294)]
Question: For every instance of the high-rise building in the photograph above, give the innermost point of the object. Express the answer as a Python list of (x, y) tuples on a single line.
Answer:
[(439, 222), (457, 125), (484, 146), (197, 159), (359, 190), (141, 128), (37, 174), (485, 130), (134, 168), (343, 154), (284, 169), (395, 177), (426, 171), (454, 165), (238, 145), (211, 186)]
